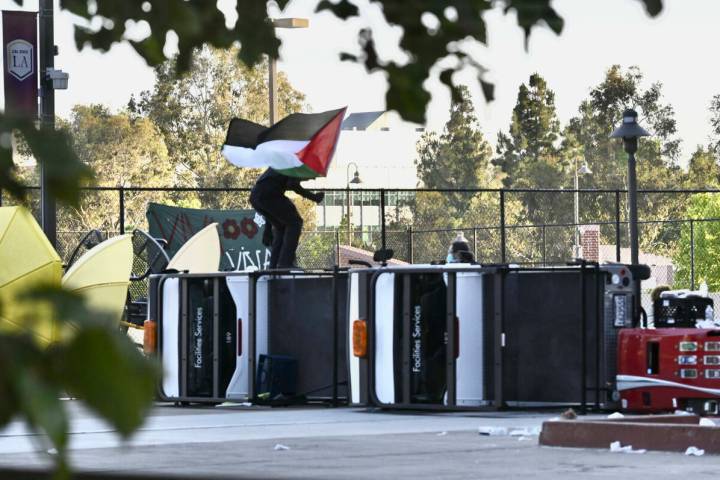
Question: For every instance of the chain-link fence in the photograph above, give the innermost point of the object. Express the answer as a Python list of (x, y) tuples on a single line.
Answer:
[(679, 231)]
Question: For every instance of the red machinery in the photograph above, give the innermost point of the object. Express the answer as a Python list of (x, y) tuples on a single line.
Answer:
[(669, 369)]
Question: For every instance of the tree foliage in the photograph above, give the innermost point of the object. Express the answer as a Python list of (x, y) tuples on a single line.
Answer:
[(704, 242), (529, 155), (122, 152), (193, 111), (657, 156)]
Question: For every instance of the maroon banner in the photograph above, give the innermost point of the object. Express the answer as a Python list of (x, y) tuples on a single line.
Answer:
[(20, 61)]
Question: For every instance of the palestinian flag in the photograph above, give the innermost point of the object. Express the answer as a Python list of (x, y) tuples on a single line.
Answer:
[(300, 145)]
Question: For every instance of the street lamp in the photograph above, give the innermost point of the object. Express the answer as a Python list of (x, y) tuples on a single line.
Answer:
[(355, 180), (629, 131), (584, 170), (272, 70)]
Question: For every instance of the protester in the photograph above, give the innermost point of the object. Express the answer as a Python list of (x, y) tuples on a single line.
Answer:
[(268, 198), (459, 250)]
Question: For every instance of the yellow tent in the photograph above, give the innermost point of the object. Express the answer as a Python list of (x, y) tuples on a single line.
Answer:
[(200, 254), (102, 275), (27, 259)]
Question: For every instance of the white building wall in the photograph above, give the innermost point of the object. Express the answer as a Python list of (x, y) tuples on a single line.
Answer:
[(383, 158)]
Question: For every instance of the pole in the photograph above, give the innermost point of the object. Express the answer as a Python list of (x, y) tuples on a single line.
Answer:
[(632, 200), (502, 227), (617, 226), (348, 207), (47, 114), (692, 255), (410, 254), (576, 248), (382, 217), (121, 193), (272, 89)]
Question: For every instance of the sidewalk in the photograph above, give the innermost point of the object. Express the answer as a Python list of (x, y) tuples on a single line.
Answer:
[(241, 442)]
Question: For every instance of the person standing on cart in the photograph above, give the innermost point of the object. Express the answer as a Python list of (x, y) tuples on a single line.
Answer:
[(298, 147), (268, 198)]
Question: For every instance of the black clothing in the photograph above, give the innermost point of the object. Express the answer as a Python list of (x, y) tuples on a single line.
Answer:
[(273, 183), (268, 198)]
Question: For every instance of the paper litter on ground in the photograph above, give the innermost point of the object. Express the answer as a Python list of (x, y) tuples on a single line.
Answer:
[(616, 447), (280, 446), (706, 422), (513, 432), (616, 415), (694, 451)]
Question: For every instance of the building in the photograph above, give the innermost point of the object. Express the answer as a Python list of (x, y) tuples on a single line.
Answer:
[(662, 270), (381, 148)]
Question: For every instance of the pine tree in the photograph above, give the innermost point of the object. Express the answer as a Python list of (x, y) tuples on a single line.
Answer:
[(457, 158), (528, 153)]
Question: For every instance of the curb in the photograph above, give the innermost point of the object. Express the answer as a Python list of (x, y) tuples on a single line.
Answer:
[(669, 433)]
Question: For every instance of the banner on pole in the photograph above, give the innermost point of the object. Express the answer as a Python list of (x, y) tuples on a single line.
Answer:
[(20, 61)]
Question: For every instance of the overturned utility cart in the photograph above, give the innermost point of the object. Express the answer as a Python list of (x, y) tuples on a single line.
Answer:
[(466, 336), (251, 336)]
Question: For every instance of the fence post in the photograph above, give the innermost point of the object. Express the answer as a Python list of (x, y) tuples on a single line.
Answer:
[(382, 217), (121, 192), (411, 254), (475, 250), (692, 255), (337, 246), (0, 197), (502, 227), (544, 247), (617, 226)]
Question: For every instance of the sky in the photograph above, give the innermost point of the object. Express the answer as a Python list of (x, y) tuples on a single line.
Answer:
[(597, 34)]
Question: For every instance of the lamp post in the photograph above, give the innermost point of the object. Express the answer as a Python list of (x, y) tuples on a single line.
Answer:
[(630, 131), (584, 170), (355, 180), (272, 67)]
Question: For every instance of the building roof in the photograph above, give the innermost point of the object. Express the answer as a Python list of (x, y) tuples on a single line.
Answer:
[(362, 121), (607, 254)]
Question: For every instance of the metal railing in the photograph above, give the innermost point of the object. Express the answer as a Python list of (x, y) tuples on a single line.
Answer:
[(522, 226)]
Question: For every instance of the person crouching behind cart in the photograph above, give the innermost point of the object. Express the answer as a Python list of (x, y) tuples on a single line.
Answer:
[(459, 251), (268, 198)]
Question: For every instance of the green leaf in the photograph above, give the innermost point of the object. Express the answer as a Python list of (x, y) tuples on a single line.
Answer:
[(403, 94), (653, 7), (532, 12), (106, 371), (68, 307), (42, 406), (488, 90), (342, 9), (63, 170)]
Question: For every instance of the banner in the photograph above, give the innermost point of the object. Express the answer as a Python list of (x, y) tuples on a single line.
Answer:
[(20, 61), (240, 233)]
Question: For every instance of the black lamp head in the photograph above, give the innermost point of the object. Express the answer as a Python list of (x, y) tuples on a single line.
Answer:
[(630, 131)]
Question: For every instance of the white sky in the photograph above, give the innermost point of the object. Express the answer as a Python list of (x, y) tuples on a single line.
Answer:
[(672, 49)]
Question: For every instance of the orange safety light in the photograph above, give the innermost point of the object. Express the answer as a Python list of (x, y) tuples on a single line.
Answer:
[(149, 337), (360, 338)]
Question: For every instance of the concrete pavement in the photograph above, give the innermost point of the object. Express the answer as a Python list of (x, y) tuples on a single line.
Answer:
[(241, 442)]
